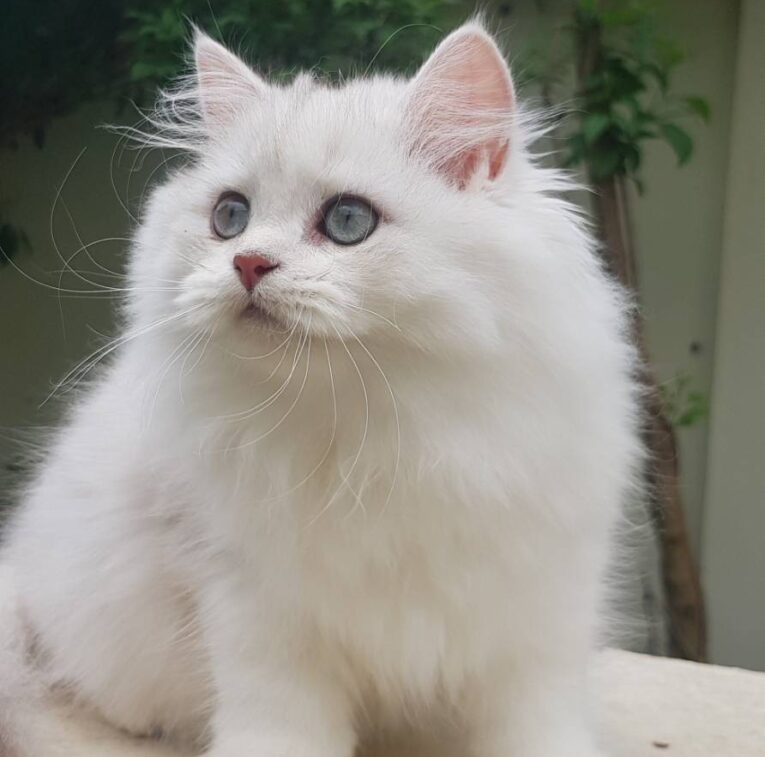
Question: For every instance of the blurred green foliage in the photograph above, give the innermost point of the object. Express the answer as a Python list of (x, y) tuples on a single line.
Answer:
[(335, 36), (624, 100), (617, 58), (684, 405), (57, 54)]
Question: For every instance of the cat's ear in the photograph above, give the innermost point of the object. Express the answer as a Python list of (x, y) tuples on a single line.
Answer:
[(460, 105), (224, 82)]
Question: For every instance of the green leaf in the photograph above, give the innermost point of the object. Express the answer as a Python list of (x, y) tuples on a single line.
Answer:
[(659, 73), (594, 125), (680, 141), (604, 165), (699, 106), (141, 70)]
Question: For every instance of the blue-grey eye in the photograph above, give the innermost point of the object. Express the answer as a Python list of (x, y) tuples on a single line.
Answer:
[(230, 215), (349, 220)]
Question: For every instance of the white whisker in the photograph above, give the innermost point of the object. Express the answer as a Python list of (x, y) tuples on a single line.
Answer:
[(281, 420), (372, 312), (244, 415), (331, 442), (187, 343), (345, 478), (75, 375), (396, 417)]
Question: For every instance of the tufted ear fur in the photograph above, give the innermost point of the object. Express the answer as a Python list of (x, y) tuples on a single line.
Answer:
[(224, 81), (460, 104)]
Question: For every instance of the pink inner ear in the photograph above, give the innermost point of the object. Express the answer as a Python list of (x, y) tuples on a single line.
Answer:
[(497, 159), (464, 165), (463, 97), (225, 82)]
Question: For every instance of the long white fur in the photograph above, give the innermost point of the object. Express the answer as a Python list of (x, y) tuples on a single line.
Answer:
[(391, 504)]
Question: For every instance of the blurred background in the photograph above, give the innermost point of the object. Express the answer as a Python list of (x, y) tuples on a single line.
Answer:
[(659, 106)]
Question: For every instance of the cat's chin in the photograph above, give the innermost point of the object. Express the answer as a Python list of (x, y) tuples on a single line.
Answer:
[(254, 315)]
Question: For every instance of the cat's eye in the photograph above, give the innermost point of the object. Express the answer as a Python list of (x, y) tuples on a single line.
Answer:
[(230, 215), (348, 220)]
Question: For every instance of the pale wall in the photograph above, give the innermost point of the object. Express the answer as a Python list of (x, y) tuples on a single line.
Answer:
[(678, 225), (734, 526)]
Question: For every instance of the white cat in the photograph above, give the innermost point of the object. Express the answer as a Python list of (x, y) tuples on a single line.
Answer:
[(358, 458)]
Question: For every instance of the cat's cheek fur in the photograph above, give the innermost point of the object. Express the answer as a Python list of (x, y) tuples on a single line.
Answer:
[(286, 542)]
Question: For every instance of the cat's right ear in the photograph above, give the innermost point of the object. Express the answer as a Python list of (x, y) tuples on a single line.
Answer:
[(225, 84), (461, 104)]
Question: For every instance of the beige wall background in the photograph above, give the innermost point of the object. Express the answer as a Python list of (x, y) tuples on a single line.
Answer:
[(699, 233), (678, 227), (734, 519)]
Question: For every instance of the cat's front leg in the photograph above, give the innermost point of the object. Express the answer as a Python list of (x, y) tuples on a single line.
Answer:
[(532, 710), (275, 694), (278, 709)]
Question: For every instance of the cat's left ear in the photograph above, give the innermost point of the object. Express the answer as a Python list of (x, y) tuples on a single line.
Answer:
[(225, 83), (460, 105)]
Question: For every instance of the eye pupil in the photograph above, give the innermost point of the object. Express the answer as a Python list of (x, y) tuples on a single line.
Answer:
[(349, 220), (230, 215)]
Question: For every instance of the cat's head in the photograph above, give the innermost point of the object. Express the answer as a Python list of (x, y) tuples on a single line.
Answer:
[(380, 208)]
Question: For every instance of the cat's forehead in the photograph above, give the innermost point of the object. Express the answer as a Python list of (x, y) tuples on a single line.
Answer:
[(311, 117), (369, 100), (311, 135)]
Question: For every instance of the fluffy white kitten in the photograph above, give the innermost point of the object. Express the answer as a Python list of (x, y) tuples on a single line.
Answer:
[(358, 458)]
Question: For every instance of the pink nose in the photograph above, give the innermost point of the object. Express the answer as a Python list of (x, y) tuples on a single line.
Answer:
[(252, 268)]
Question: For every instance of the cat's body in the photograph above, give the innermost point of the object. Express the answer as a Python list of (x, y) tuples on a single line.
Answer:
[(401, 509)]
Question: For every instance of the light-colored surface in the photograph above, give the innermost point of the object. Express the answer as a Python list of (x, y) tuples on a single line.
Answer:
[(696, 710), (649, 707), (734, 557)]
